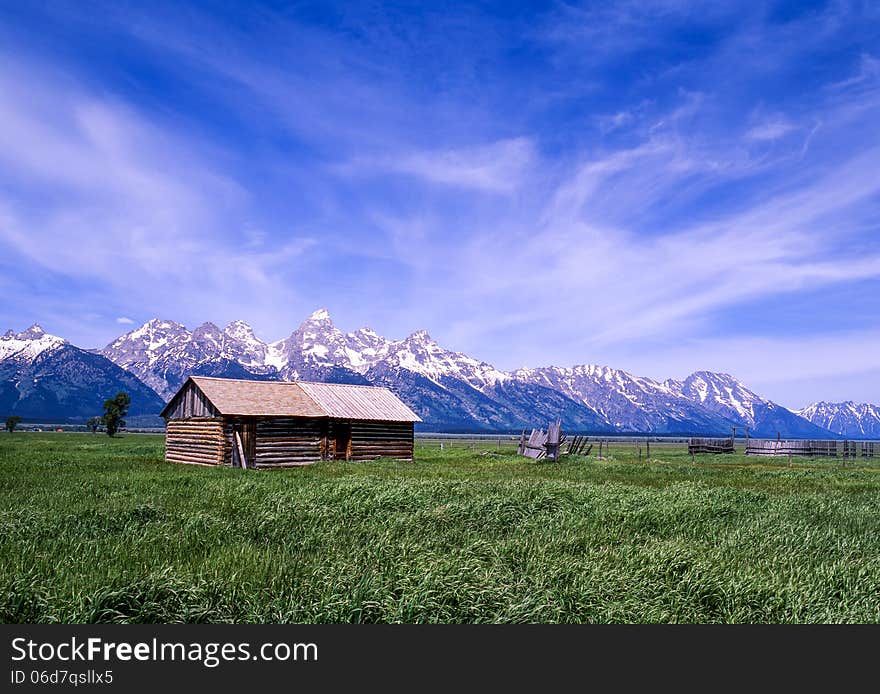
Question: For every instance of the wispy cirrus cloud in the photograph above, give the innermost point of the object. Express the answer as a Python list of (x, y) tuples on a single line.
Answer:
[(770, 130), (496, 167), (121, 202)]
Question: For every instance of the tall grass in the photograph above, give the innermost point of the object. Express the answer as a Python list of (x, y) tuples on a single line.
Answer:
[(101, 530)]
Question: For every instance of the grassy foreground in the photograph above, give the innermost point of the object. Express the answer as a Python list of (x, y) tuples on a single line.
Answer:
[(101, 530)]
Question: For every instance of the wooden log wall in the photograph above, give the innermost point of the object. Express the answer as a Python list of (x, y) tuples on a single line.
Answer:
[(195, 440), (371, 440), (289, 441), (284, 441), (228, 443)]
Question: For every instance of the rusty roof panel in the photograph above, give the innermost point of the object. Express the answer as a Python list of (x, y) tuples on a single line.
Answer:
[(343, 401)]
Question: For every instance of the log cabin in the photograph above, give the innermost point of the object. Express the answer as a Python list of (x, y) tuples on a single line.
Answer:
[(266, 424)]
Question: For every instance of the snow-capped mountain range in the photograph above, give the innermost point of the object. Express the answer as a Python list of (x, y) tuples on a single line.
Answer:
[(450, 390), (43, 376), (845, 418), (161, 353)]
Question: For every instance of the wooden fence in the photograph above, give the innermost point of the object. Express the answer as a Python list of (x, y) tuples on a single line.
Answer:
[(710, 446), (811, 448)]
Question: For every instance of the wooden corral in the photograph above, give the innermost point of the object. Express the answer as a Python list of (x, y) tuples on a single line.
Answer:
[(811, 448), (260, 424), (858, 449), (696, 446)]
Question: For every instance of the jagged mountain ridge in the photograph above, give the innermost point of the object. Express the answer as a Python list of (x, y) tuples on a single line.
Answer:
[(848, 419), (627, 402), (163, 353), (44, 376), (451, 390), (724, 395)]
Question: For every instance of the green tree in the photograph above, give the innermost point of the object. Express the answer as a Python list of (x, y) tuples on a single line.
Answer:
[(115, 410), (12, 422), (94, 423)]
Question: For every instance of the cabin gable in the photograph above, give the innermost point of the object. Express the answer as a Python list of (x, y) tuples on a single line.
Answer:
[(189, 401)]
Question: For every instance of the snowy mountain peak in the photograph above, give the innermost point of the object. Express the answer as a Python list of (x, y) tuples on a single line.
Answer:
[(719, 382), (207, 331), (367, 335), (159, 324), (723, 394), (28, 344), (321, 315), (35, 332), (239, 330), (151, 334), (366, 343), (420, 337)]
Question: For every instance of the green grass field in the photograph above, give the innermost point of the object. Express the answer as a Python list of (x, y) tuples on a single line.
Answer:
[(101, 530)]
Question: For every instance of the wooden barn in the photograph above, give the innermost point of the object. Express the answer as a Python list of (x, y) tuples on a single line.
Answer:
[(262, 424)]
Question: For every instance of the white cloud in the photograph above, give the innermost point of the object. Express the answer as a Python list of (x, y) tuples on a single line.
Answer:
[(615, 121), (592, 279), (770, 130), (122, 320), (136, 207), (867, 76), (497, 167)]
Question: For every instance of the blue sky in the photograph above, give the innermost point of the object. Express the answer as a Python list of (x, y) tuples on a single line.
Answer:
[(657, 186)]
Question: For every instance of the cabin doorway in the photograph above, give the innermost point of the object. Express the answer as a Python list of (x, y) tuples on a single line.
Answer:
[(246, 433), (342, 432)]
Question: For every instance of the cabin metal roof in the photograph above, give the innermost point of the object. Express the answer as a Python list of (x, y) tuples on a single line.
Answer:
[(358, 402), (244, 398)]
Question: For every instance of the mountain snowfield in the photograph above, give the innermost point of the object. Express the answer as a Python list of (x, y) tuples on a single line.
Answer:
[(43, 375)]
